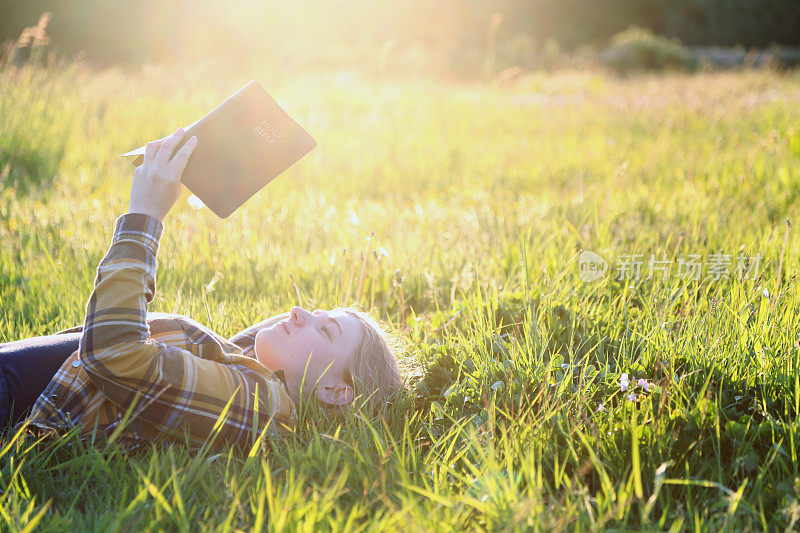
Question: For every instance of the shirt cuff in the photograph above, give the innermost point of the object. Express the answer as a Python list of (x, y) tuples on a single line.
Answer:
[(139, 227)]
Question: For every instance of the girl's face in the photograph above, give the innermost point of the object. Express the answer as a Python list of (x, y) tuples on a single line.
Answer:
[(318, 344)]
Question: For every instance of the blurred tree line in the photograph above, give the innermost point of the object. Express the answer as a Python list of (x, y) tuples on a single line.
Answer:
[(455, 32)]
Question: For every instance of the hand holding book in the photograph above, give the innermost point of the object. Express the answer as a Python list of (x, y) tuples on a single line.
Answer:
[(242, 144), (157, 181)]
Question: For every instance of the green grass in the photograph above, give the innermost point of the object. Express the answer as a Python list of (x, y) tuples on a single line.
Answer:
[(482, 198)]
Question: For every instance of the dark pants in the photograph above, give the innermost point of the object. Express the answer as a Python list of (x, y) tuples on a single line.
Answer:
[(26, 368)]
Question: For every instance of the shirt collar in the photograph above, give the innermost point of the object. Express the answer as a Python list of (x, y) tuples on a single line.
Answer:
[(280, 376)]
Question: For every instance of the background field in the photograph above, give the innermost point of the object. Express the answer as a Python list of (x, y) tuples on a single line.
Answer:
[(480, 199)]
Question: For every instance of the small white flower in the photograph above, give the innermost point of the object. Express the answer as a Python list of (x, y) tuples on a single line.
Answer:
[(195, 202), (765, 293), (354, 218), (382, 252), (632, 397), (644, 384), (600, 407), (623, 382)]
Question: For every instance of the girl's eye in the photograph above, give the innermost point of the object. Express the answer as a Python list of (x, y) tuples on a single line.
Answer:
[(326, 330)]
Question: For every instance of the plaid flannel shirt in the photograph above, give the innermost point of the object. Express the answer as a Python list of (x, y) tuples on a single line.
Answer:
[(180, 374)]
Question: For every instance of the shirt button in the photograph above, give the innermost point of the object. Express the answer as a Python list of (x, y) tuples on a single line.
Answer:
[(76, 364)]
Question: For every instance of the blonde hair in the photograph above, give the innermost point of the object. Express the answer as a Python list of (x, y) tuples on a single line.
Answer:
[(373, 369)]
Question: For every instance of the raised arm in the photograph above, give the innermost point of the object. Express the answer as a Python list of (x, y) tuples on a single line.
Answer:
[(115, 319), (177, 390)]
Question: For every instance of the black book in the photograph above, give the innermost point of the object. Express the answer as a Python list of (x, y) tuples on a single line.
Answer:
[(242, 145)]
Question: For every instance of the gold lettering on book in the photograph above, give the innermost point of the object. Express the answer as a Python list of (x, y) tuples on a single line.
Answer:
[(268, 132)]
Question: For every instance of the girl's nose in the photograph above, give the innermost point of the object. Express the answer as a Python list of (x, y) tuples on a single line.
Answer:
[(298, 315)]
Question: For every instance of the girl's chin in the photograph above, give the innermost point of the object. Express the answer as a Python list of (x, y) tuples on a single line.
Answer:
[(263, 348), (266, 361)]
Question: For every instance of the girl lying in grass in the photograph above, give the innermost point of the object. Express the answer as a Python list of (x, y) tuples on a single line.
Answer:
[(175, 376)]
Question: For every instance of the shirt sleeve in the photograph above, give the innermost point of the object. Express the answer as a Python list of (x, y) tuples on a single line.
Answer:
[(173, 390)]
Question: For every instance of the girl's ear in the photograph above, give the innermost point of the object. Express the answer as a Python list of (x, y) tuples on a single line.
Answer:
[(341, 394)]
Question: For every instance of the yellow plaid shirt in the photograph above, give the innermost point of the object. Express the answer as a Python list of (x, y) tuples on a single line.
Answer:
[(183, 373)]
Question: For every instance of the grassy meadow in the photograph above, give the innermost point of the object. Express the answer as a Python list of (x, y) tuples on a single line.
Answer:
[(456, 212)]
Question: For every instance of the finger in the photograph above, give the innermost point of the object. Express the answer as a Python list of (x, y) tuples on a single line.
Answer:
[(168, 147), (181, 158), (150, 151)]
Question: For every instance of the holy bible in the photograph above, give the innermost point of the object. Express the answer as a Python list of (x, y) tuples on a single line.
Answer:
[(242, 145)]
